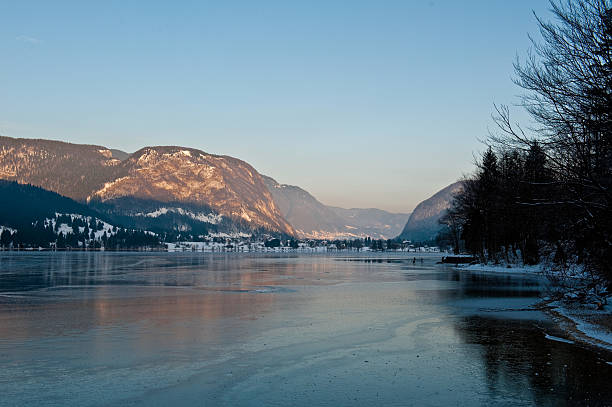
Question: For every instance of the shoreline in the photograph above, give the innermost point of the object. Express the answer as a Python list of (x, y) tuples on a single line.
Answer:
[(576, 320)]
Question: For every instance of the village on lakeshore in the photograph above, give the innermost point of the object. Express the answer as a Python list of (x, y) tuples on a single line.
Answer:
[(310, 246), (245, 243)]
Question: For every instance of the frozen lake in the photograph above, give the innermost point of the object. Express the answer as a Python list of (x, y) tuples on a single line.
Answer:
[(98, 329)]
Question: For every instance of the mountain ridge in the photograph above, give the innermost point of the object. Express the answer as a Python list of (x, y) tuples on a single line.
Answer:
[(423, 223), (315, 220), (185, 185), (84, 173)]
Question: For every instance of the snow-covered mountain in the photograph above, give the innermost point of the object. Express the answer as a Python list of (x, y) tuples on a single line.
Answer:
[(312, 219), (230, 187)]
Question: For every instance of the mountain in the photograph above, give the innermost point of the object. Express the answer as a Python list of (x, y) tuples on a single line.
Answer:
[(372, 222), (230, 187), (72, 170), (423, 222), (156, 178), (170, 188), (119, 155), (314, 220)]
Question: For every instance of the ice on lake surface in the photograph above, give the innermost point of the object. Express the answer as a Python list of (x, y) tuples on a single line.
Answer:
[(104, 329)]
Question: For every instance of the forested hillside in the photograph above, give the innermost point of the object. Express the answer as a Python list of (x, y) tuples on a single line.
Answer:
[(33, 217)]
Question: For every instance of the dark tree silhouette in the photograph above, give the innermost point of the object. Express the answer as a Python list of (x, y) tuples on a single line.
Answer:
[(550, 186)]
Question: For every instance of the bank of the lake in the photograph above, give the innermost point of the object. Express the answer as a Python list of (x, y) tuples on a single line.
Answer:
[(583, 323)]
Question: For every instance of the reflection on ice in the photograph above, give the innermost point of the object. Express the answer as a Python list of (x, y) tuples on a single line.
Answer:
[(229, 329)]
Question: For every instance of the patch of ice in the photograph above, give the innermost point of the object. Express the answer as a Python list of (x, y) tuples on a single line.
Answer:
[(557, 339)]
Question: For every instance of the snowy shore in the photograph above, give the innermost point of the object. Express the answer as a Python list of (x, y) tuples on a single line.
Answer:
[(585, 324), (488, 268), (582, 322)]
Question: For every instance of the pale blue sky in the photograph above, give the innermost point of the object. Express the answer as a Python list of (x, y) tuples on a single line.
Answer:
[(362, 103)]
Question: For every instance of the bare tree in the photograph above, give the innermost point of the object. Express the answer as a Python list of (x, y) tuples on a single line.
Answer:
[(567, 79)]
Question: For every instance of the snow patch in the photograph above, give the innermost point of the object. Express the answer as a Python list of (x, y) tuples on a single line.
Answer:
[(599, 336), (234, 235), (488, 268), (199, 216), (109, 185), (11, 230), (245, 216), (106, 153), (64, 228)]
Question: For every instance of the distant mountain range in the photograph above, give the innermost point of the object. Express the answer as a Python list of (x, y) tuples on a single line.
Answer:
[(423, 224), (312, 219), (179, 189)]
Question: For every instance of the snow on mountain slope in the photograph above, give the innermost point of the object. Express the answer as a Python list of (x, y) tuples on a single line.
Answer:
[(229, 186)]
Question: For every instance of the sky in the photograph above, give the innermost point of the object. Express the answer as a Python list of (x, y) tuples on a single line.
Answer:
[(361, 103)]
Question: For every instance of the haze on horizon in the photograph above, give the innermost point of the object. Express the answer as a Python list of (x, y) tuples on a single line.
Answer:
[(363, 104)]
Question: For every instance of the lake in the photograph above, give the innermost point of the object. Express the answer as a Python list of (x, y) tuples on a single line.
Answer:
[(104, 329)]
